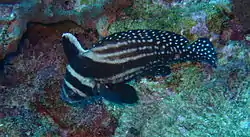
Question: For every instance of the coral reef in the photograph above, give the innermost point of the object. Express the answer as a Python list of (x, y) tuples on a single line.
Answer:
[(189, 104), (30, 93), (15, 16), (194, 100), (187, 18)]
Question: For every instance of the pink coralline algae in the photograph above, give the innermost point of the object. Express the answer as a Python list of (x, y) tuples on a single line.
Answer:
[(233, 31), (200, 28)]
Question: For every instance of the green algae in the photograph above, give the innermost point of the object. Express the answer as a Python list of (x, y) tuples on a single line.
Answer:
[(216, 19), (146, 15), (217, 105), (214, 107), (233, 51), (202, 108), (204, 112), (87, 2), (168, 20), (37, 125), (186, 78), (91, 2), (142, 16)]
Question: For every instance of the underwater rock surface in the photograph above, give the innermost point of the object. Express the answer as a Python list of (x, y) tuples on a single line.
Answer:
[(194, 100), (14, 17)]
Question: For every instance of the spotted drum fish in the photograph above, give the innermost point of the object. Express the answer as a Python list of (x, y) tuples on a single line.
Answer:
[(104, 69)]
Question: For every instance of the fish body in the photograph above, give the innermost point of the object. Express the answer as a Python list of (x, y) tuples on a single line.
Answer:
[(104, 69)]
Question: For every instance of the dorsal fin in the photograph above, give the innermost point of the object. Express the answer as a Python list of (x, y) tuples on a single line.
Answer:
[(71, 46)]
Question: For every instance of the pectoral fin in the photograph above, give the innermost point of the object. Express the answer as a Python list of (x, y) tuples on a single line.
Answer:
[(119, 93)]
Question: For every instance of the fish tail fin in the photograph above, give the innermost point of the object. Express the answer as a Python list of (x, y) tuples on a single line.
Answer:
[(202, 50), (71, 46)]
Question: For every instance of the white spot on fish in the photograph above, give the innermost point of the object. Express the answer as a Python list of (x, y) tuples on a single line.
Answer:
[(150, 40)]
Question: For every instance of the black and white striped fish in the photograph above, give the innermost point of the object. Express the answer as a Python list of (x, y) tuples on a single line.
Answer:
[(104, 69)]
